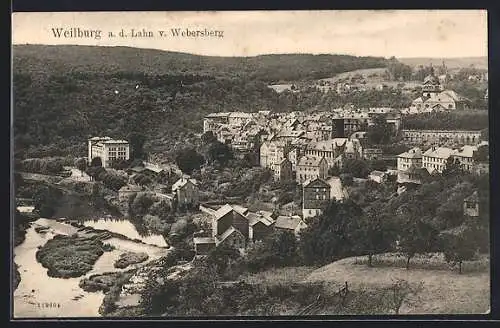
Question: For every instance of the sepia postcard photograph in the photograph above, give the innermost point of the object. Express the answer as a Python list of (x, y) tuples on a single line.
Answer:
[(198, 164)]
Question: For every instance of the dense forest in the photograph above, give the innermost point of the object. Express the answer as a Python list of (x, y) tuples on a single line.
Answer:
[(63, 94)]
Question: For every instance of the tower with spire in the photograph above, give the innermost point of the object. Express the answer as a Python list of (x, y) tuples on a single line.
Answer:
[(431, 85)]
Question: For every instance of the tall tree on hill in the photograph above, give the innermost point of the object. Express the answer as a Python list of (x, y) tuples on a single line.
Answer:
[(81, 164), (380, 132), (460, 247), (96, 162), (418, 237), (219, 152), (136, 141), (189, 160), (332, 235), (376, 233)]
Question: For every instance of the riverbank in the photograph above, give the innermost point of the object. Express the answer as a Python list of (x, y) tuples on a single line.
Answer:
[(67, 298), (70, 256)]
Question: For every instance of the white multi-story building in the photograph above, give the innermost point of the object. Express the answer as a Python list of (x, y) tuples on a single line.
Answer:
[(435, 158), (309, 168), (464, 157), (108, 150), (271, 152), (408, 164)]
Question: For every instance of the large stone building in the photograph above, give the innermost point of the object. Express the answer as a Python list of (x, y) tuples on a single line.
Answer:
[(418, 137), (435, 98), (435, 159), (108, 150)]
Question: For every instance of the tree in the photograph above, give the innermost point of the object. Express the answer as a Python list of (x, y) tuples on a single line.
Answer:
[(284, 247), (400, 292), (136, 141), (96, 162), (358, 168), (376, 233), (418, 237), (380, 132), (332, 235), (460, 247), (189, 160), (141, 203), (208, 137), (46, 199), (276, 250), (452, 168), (81, 164), (481, 155), (219, 152)]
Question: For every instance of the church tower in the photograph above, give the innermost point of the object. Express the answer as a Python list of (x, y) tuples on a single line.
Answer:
[(431, 85)]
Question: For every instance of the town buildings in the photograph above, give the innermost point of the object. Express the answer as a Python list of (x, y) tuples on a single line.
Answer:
[(408, 165), (283, 170), (236, 226), (435, 159), (318, 192), (293, 224), (108, 150), (465, 157), (435, 98), (419, 137), (471, 205), (309, 168)]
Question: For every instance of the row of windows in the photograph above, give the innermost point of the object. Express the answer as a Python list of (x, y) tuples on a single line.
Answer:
[(117, 148), (434, 159), (307, 169), (434, 166), (409, 160)]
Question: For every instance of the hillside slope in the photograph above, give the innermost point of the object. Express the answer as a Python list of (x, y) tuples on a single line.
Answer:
[(91, 59), (445, 291), (451, 63), (63, 94)]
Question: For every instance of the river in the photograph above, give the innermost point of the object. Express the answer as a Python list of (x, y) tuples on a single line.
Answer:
[(39, 295)]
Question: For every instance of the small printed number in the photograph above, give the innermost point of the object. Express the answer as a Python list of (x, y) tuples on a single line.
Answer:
[(46, 305)]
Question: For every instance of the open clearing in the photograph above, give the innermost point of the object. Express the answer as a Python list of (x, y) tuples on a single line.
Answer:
[(444, 291)]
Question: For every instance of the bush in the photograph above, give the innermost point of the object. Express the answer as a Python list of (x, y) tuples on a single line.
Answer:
[(130, 258)]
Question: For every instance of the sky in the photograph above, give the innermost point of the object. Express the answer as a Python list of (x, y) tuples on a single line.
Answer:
[(399, 33)]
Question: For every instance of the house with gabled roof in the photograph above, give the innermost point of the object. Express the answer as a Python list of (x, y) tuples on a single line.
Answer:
[(292, 224), (259, 226), (283, 170), (377, 176), (309, 167), (316, 195), (236, 226), (186, 191)]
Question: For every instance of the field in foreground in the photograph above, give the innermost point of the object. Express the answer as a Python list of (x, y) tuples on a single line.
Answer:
[(444, 291)]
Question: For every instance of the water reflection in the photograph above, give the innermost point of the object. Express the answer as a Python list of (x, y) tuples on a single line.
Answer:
[(128, 229)]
